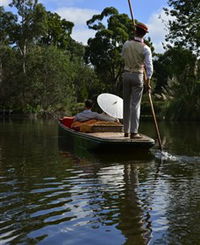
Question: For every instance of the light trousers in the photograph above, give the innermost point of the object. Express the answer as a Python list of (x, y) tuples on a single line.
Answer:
[(132, 95)]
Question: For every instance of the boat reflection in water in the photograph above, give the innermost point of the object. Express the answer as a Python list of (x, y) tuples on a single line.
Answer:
[(111, 182)]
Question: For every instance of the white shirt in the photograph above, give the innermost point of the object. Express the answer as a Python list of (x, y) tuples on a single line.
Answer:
[(148, 61)]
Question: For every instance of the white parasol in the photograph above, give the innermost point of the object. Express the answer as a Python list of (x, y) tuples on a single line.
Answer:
[(111, 104)]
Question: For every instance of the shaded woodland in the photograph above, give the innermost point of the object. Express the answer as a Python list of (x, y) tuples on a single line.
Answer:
[(43, 70)]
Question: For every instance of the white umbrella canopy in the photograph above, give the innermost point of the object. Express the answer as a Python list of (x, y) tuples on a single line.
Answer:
[(111, 104)]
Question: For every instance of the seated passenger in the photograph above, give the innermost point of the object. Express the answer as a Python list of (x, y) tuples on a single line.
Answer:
[(88, 114)]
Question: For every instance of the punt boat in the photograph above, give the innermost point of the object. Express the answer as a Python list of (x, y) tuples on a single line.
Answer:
[(102, 141)]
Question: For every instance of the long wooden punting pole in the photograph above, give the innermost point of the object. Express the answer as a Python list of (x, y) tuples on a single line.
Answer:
[(155, 121), (131, 11), (149, 91)]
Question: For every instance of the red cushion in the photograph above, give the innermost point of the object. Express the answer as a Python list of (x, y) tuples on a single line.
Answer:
[(67, 121)]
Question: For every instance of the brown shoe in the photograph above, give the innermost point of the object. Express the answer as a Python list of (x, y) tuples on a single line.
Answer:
[(135, 136), (126, 135)]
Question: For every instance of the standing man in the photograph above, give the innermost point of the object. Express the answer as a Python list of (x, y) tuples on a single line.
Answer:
[(137, 58)]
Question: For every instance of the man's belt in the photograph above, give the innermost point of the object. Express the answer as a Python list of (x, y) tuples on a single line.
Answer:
[(132, 71)]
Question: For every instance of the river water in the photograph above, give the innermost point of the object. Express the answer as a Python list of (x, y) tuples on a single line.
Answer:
[(51, 196)]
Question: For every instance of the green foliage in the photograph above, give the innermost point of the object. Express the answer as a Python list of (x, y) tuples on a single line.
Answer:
[(86, 83), (184, 29), (41, 66), (42, 69), (97, 18), (104, 51), (185, 107), (160, 108), (7, 25), (175, 66), (58, 31), (10, 78), (177, 74), (49, 75), (177, 71), (48, 81)]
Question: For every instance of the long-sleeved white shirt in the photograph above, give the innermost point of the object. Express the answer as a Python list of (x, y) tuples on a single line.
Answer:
[(148, 61)]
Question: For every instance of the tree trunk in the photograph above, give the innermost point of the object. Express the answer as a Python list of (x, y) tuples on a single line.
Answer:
[(1, 72), (24, 57)]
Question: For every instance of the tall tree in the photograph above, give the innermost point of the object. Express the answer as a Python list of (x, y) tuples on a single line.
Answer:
[(58, 31), (104, 50), (7, 25), (184, 36), (31, 24), (184, 29)]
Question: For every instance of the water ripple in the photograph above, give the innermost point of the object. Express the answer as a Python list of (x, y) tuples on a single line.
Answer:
[(130, 201), (163, 155)]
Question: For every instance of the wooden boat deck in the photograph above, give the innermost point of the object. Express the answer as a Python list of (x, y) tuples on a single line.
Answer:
[(118, 136)]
